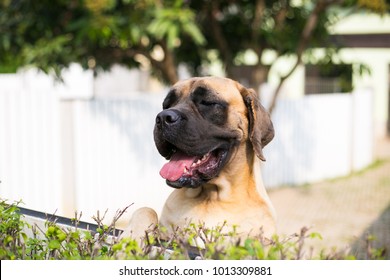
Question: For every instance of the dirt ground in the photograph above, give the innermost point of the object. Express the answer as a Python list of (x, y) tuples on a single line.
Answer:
[(344, 211)]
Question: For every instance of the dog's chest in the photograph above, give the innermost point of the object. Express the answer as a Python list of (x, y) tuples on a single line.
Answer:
[(180, 211)]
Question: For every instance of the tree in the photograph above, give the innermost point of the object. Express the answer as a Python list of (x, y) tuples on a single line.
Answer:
[(100, 33), (95, 33), (285, 27)]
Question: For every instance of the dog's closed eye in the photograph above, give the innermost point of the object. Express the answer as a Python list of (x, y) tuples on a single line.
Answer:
[(210, 103)]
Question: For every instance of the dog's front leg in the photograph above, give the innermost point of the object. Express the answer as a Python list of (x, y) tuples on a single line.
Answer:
[(142, 220)]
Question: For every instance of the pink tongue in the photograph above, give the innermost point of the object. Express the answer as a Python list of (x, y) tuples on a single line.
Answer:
[(174, 169)]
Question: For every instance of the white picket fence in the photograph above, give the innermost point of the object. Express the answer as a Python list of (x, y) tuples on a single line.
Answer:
[(318, 137), (85, 154)]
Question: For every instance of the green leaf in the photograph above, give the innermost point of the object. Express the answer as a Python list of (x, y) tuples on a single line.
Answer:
[(315, 235), (24, 236), (172, 36), (193, 31), (75, 235), (54, 244), (61, 236)]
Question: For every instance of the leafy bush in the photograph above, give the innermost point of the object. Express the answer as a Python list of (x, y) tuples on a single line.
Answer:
[(196, 241)]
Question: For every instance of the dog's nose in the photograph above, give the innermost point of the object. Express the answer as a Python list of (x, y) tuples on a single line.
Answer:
[(167, 117)]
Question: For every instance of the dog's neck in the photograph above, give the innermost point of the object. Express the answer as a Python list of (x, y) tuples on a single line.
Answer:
[(226, 186), (260, 185)]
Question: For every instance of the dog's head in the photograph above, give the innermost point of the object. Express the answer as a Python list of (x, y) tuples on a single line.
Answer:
[(202, 123)]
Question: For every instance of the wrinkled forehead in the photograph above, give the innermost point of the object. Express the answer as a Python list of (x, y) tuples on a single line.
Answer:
[(224, 88)]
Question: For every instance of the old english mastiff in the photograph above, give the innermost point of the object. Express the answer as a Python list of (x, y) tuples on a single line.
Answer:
[(213, 131)]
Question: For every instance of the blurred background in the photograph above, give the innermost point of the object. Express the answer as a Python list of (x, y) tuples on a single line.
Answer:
[(82, 81)]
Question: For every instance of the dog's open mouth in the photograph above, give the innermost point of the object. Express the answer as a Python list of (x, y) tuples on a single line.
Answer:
[(185, 170)]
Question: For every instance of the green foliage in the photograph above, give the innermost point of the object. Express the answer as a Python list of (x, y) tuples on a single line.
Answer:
[(379, 6), (100, 33), (12, 236), (52, 242), (168, 23), (97, 34), (55, 242)]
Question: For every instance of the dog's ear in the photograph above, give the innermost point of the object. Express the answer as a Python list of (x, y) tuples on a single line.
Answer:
[(261, 130)]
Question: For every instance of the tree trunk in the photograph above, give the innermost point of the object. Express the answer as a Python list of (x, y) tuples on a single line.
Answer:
[(169, 73), (306, 34), (258, 76), (169, 67)]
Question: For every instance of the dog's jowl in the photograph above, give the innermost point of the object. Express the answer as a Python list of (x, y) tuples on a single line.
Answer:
[(212, 131)]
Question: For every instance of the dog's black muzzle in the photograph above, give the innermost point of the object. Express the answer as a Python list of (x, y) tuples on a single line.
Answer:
[(196, 149)]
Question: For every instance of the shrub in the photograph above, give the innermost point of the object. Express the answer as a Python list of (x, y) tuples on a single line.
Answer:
[(196, 241)]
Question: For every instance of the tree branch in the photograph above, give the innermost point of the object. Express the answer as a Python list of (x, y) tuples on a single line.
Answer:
[(217, 33), (166, 66), (257, 18), (307, 32), (280, 16)]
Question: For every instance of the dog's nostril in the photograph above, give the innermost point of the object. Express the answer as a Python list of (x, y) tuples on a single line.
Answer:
[(168, 117), (171, 118)]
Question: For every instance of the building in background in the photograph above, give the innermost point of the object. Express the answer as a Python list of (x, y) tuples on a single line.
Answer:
[(363, 61)]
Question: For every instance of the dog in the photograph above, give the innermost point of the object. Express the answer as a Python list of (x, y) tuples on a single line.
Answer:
[(213, 131)]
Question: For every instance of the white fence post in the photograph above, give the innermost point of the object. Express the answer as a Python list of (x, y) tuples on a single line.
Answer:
[(363, 130), (68, 176)]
